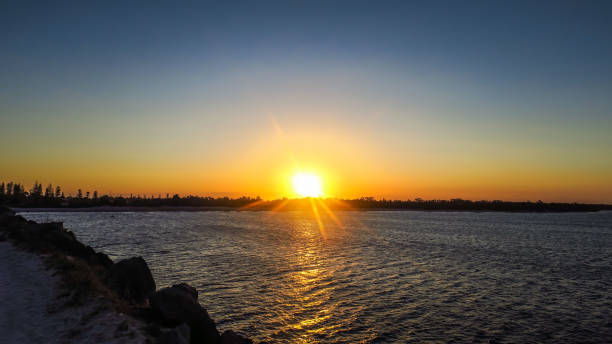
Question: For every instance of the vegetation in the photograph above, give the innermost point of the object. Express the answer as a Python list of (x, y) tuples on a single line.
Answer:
[(15, 195)]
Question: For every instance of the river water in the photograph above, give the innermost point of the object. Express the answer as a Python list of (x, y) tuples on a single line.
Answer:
[(377, 277)]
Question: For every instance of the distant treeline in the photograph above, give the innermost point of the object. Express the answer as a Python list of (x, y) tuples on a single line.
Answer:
[(461, 204), (15, 195)]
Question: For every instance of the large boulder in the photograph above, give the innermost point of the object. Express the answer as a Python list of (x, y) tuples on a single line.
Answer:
[(132, 279), (100, 259), (188, 290), (5, 209), (177, 335), (231, 337), (179, 304), (5, 213)]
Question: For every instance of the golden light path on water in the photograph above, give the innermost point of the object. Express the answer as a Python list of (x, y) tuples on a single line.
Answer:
[(311, 287)]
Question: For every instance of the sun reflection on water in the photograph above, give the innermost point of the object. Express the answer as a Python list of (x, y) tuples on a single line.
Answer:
[(311, 285)]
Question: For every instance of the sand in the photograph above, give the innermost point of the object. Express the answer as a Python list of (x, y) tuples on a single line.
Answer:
[(34, 309)]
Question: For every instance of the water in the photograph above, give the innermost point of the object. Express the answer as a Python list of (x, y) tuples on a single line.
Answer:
[(381, 277)]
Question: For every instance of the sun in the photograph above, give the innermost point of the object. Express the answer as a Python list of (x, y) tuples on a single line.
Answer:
[(307, 184)]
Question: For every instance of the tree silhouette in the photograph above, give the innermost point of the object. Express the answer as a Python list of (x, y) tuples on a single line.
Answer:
[(49, 191), (19, 194), (14, 194), (36, 190)]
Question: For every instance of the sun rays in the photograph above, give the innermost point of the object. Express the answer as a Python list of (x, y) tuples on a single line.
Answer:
[(307, 185), (322, 209)]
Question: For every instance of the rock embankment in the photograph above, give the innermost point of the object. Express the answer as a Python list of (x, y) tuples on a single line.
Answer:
[(127, 287)]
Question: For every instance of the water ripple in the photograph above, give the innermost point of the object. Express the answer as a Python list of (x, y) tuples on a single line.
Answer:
[(383, 277)]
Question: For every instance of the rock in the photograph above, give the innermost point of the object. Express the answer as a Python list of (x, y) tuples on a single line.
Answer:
[(178, 304), (203, 328), (189, 289), (5, 214), (55, 226), (178, 335), (100, 259), (132, 279), (172, 304), (53, 237), (6, 211), (50, 237), (231, 337), (153, 329)]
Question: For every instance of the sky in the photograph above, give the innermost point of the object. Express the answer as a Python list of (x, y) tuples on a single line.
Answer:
[(398, 100)]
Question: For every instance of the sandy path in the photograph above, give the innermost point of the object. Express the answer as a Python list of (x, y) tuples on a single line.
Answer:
[(31, 312), (26, 288)]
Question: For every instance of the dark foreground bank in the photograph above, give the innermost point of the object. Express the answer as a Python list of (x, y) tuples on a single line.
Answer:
[(168, 315)]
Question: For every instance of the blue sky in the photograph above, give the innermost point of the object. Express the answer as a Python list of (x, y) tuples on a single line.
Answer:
[(531, 80)]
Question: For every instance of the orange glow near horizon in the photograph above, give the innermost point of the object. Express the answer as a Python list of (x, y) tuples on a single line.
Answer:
[(345, 164)]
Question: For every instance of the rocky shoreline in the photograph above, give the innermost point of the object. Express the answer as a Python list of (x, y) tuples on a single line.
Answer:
[(127, 287)]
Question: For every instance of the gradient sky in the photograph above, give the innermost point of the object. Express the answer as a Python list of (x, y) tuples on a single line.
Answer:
[(478, 100)]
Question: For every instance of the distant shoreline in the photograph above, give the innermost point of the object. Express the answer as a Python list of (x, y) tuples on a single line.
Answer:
[(133, 209), (53, 200), (111, 209)]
